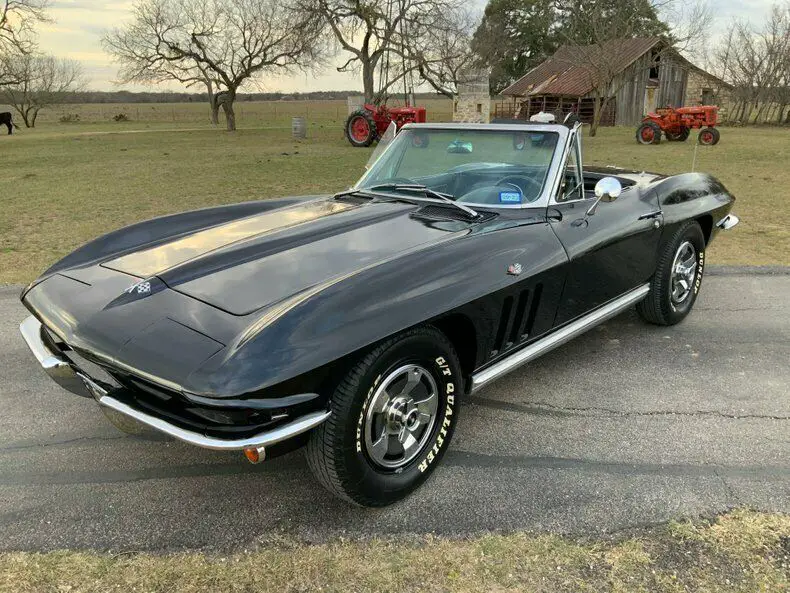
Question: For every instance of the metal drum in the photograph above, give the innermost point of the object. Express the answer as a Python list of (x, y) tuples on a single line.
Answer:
[(299, 127)]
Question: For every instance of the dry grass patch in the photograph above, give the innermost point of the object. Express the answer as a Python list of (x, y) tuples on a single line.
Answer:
[(64, 184), (739, 552)]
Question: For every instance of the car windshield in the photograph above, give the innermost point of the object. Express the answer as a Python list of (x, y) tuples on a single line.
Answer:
[(482, 167)]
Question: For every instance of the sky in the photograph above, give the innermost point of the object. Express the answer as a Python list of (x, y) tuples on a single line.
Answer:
[(78, 26)]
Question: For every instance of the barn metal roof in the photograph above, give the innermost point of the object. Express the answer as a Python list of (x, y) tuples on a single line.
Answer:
[(573, 69)]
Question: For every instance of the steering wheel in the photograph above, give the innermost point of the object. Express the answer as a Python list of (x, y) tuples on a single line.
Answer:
[(513, 180)]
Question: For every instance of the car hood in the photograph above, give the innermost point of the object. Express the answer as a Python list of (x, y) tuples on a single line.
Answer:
[(256, 261)]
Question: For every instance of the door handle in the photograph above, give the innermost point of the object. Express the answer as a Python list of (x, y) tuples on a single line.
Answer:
[(650, 215)]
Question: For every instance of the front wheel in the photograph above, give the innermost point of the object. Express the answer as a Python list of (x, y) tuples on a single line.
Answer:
[(393, 416), (678, 278), (709, 136)]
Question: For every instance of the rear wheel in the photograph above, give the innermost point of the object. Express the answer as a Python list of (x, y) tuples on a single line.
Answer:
[(709, 136), (393, 416), (648, 133), (678, 278), (361, 128)]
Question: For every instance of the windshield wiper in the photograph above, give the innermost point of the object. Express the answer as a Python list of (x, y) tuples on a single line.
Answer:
[(446, 198)]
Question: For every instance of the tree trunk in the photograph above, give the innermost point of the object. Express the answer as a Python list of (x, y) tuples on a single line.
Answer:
[(780, 113), (230, 115), (26, 118), (597, 109), (33, 119), (368, 70), (213, 107)]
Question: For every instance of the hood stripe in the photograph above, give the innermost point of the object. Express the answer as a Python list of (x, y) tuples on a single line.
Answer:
[(156, 260)]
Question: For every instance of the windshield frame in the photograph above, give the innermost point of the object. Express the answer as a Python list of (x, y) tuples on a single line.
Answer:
[(552, 174)]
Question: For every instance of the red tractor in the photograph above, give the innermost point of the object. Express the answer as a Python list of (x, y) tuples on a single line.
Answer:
[(366, 125), (677, 123)]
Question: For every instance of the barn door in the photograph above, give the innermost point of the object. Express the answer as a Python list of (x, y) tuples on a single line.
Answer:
[(650, 100)]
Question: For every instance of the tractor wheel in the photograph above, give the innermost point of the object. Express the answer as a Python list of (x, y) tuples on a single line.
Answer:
[(709, 136), (681, 136), (648, 133), (361, 128)]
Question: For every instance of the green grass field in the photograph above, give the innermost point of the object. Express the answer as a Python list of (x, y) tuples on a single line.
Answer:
[(63, 184)]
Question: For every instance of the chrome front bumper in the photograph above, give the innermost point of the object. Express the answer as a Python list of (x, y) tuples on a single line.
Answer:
[(66, 374)]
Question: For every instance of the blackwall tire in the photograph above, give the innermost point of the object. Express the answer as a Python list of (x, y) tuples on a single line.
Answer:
[(648, 133), (667, 303), (708, 136), (361, 128), (350, 464)]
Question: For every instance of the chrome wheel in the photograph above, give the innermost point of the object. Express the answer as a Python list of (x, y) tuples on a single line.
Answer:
[(401, 416), (684, 270)]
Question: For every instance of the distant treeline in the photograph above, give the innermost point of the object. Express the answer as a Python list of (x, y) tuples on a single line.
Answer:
[(152, 97)]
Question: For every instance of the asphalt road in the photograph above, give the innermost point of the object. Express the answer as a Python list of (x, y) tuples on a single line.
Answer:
[(628, 425)]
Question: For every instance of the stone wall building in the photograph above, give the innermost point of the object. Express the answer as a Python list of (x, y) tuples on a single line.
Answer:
[(472, 102)]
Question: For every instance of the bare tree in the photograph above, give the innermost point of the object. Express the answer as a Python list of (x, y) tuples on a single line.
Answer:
[(442, 49), (395, 37), (45, 81), (757, 63), (220, 43), (17, 19)]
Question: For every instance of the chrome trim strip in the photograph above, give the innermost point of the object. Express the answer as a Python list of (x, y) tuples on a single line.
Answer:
[(558, 337), (58, 367), (728, 222), (264, 439)]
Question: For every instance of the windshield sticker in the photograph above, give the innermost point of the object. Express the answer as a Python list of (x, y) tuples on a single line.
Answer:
[(509, 197)]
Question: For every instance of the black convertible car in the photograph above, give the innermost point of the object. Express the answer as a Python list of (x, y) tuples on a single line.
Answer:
[(355, 323)]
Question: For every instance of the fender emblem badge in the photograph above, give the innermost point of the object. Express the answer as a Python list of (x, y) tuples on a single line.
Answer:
[(514, 269), (141, 287)]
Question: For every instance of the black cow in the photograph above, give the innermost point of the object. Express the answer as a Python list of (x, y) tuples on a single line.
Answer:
[(5, 120)]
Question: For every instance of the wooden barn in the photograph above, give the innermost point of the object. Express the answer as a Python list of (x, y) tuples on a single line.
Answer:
[(646, 73)]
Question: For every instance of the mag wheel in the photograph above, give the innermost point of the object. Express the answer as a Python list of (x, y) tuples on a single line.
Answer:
[(393, 416), (361, 128), (648, 133), (678, 278)]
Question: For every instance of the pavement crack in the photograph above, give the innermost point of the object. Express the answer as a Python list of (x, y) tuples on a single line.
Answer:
[(22, 446), (547, 409)]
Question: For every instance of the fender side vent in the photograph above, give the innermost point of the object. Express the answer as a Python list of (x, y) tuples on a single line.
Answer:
[(533, 312), (505, 319), (516, 322)]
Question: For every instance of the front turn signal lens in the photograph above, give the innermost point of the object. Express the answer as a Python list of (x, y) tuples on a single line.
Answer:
[(255, 454)]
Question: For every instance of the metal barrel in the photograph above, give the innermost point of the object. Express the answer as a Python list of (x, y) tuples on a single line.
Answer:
[(299, 127)]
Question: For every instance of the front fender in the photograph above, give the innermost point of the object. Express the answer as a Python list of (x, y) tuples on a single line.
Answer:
[(329, 322)]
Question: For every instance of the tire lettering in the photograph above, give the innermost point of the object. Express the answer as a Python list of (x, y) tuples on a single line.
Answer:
[(698, 281), (446, 423)]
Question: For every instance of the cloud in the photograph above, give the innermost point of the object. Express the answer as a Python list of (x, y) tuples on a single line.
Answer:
[(79, 25)]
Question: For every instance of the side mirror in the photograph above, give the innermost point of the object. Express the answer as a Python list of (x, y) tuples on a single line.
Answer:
[(607, 189)]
